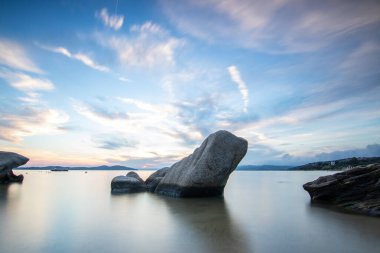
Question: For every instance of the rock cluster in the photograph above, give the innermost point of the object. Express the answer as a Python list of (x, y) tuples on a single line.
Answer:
[(355, 190), (203, 173), (9, 161)]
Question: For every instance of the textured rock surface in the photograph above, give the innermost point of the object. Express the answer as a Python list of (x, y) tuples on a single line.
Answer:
[(205, 172), (153, 180), (9, 161), (130, 183), (356, 190)]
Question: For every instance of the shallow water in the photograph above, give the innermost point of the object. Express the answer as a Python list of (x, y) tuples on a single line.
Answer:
[(260, 212)]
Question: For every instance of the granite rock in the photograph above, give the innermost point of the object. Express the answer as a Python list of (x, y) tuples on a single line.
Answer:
[(355, 190), (130, 183), (9, 161), (205, 172), (153, 180)]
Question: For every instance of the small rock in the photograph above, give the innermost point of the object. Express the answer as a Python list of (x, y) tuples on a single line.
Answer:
[(130, 183)]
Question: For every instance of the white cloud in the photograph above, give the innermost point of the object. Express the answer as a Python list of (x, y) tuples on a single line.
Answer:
[(147, 27), (124, 79), (30, 120), (235, 77), (148, 45), (113, 21), (147, 125), (31, 98), (142, 105), (14, 55), (25, 82), (276, 26), (85, 59)]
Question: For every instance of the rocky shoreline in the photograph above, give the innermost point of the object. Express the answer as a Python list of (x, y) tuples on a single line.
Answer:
[(356, 190), (9, 161)]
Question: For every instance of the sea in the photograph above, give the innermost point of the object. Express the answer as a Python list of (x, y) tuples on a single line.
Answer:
[(260, 212)]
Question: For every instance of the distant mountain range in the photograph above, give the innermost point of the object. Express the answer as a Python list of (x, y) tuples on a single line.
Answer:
[(263, 167), (341, 164), (324, 165), (63, 168)]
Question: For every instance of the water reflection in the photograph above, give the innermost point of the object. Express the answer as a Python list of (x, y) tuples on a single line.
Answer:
[(75, 212), (209, 221), (4, 191)]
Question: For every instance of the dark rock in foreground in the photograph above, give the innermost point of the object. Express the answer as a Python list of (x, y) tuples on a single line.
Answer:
[(9, 161), (205, 172), (356, 190), (153, 180), (130, 183)]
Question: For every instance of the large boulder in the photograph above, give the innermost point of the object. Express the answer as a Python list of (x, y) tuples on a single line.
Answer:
[(205, 172), (130, 183), (9, 161), (356, 190), (153, 180)]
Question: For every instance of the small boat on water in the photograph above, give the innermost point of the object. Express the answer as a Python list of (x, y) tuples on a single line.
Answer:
[(59, 170)]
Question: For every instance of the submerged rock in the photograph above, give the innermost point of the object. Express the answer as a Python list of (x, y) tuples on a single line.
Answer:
[(205, 172), (130, 183), (356, 190), (9, 161)]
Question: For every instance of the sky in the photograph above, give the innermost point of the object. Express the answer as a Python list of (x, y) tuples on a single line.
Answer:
[(143, 83)]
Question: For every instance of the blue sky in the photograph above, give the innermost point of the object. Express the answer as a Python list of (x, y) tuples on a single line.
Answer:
[(142, 83)]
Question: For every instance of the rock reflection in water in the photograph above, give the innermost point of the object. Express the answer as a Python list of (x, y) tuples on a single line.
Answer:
[(208, 222)]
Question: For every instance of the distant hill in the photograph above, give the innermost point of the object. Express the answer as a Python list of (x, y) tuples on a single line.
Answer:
[(263, 167), (338, 164), (63, 168), (324, 165)]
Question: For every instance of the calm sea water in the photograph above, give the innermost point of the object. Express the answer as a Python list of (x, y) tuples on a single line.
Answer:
[(260, 212)]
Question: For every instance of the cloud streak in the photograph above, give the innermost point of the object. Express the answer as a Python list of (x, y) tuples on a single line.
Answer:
[(26, 82), (281, 26), (83, 58), (236, 78), (112, 21), (100, 114), (112, 142), (14, 55)]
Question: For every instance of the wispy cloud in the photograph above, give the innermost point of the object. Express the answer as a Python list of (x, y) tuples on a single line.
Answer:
[(148, 45), (14, 55), (235, 77), (148, 27), (29, 120), (112, 142), (25, 82), (124, 79), (100, 114), (113, 21), (275, 26), (84, 58), (363, 60)]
